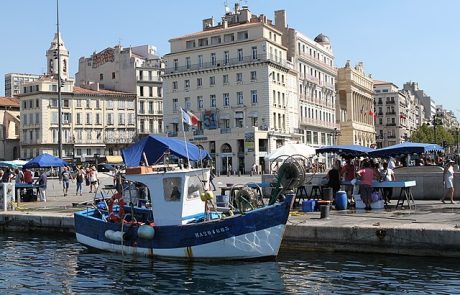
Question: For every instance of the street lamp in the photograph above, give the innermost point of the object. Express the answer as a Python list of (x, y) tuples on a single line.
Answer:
[(436, 123), (335, 133)]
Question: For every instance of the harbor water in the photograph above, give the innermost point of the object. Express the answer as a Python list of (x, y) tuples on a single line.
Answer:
[(48, 264)]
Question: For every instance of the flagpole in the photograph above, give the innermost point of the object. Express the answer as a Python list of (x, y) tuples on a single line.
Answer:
[(185, 139)]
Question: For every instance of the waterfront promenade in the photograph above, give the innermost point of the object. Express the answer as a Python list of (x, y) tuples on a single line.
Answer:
[(432, 229)]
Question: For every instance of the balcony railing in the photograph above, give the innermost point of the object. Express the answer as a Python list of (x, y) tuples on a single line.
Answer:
[(230, 62), (390, 102), (319, 123), (391, 113), (225, 130)]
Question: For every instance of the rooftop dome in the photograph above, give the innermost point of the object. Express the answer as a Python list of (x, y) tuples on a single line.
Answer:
[(322, 39)]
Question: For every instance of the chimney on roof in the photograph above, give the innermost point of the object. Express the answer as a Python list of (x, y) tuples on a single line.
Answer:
[(280, 19)]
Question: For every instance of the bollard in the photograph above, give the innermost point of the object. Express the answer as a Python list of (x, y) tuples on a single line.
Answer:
[(239, 173), (324, 211)]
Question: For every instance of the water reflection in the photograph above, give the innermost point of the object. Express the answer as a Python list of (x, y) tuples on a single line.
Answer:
[(132, 274), (51, 264)]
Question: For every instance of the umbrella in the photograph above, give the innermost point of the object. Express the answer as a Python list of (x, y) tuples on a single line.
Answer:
[(352, 150), (45, 161), (406, 148), (291, 150)]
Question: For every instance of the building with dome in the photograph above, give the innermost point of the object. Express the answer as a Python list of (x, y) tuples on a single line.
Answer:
[(255, 84), (316, 78)]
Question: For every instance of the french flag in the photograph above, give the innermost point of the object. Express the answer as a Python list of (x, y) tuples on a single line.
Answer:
[(189, 118)]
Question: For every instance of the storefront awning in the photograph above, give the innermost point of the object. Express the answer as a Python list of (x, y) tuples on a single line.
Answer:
[(114, 159)]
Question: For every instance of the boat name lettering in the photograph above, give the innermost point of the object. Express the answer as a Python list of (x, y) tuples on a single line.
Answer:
[(209, 233)]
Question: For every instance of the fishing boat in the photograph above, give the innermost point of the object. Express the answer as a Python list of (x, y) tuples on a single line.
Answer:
[(179, 219)]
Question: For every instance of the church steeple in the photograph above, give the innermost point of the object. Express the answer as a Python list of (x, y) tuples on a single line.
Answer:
[(51, 56)]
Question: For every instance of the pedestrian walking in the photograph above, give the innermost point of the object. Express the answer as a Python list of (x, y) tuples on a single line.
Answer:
[(93, 180), (448, 178), (42, 182), (66, 177), (79, 178)]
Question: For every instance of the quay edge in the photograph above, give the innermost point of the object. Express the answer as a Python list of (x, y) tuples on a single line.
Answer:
[(417, 239)]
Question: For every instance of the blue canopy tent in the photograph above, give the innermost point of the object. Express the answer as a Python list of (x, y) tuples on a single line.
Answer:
[(45, 161), (155, 146), (346, 150), (406, 148)]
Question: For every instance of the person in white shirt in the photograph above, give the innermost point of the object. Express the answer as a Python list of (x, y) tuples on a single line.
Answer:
[(387, 174), (448, 178), (391, 163)]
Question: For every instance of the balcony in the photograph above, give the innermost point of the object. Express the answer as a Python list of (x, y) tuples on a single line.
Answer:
[(230, 62), (318, 123), (391, 113), (225, 130), (391, 124), (390, 102)]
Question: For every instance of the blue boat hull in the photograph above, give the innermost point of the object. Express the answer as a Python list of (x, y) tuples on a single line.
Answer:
[(255, 234)]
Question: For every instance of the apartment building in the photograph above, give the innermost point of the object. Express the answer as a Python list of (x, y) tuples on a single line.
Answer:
[(132, 70), (94, 121), (391, 106), (316, 78), (9, 128), (355, 106), (13, 82), (236, 77)]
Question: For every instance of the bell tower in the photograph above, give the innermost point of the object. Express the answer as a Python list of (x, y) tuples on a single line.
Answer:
[(52, 58)]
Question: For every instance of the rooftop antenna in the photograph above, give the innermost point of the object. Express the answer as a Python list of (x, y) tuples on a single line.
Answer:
[(227, 9)]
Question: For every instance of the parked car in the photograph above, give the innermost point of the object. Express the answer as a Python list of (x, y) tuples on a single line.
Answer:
[(105, 167)]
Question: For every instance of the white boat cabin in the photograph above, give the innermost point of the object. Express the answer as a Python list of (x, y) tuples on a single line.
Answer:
[(175, 195)]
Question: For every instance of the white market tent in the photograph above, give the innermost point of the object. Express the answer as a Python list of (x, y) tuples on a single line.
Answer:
[(291, 150)]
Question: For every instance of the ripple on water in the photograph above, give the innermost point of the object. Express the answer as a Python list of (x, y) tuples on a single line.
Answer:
[(52, 264)]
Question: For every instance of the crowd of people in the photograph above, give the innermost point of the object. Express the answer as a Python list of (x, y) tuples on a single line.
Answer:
[(368, 170), (81, 176)]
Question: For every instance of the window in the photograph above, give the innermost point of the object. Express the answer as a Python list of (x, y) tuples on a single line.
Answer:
[(242, 35), (37, 103), (226, 57), (215, 40), (78, 118), (253, 96), (213, 59), (229, 38), (200, 61), (98, 104), (226, 99), (88, 118), (190, 44), (150, 91), (188, 63), (240, 54), (141, 107), (253, 76), (121, 119), (212, 99), (199, 101), (239, 119), (254, 52), (109, 119), (203, 42), (199, 82), (150, 107), (174, 85), (109, 104), (175, 104), (225, 79), (78, 103), (239, 77), (188, 103), (176, 64), (130, 119), (98, 119), (212, 81), (239, 98), (141, 90), (101, 77), (187, 84)]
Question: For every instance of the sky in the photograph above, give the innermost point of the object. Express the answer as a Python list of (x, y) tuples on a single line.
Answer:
[(397, 40)]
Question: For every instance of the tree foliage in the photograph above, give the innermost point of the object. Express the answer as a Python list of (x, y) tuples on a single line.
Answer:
[(425, 134)]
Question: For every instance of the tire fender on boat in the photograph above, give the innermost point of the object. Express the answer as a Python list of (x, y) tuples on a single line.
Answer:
[(146, 232), (117, 236)]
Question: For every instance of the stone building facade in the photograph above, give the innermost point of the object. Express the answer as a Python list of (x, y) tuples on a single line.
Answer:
[(355, 106), (9, 128)]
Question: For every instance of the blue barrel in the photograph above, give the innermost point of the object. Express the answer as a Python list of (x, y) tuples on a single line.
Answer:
[(341, 200), (308, 205), (222, 200)]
